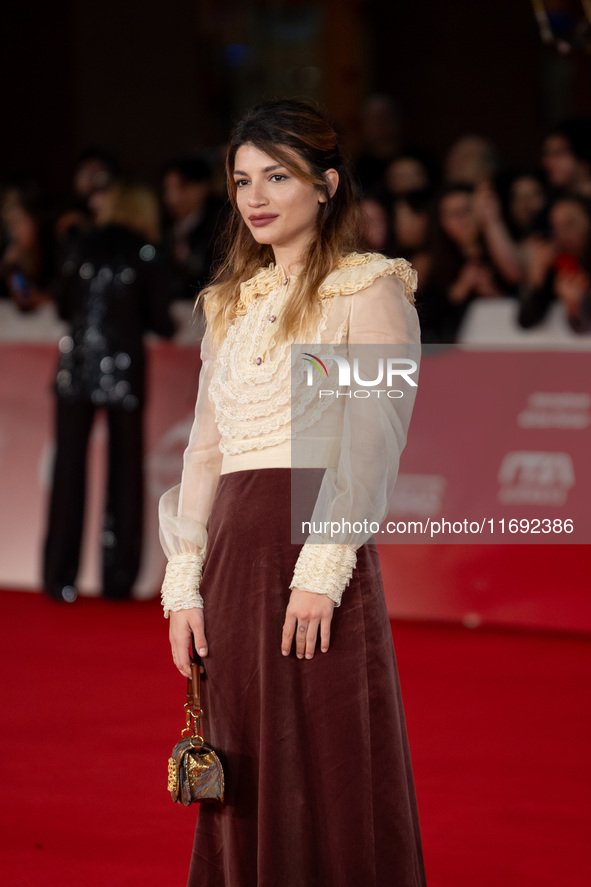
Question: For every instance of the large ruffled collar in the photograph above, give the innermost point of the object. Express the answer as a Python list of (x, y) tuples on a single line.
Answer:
[(358, 270), (355, 272)]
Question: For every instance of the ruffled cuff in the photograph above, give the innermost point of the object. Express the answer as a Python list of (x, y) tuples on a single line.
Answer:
[(325, 569), (180, 589)]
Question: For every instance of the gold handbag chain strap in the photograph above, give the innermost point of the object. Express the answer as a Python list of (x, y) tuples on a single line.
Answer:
[(193, 708)]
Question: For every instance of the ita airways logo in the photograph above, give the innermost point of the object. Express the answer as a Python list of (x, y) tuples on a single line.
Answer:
[(535, 478)]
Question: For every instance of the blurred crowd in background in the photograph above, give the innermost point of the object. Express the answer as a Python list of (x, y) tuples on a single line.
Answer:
[(473, 224)]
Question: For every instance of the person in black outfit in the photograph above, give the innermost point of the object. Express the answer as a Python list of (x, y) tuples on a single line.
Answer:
[(559, 269), (382, 139), (114, 285), (196, 218), (566, 156)]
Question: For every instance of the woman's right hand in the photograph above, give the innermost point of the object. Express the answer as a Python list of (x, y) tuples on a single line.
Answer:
[(183, 625)]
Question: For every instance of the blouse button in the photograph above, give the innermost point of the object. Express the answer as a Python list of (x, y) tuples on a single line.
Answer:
[(285, 281), (259, 361), (272, 319)]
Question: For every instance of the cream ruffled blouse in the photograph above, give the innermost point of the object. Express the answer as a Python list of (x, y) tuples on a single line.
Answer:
[(246, 409)]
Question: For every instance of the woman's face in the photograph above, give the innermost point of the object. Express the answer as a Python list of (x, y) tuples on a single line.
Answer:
[(89, 176), (181, 197), (406, 174), (571, 227), (20, 227), (470, 159), (101, 205), (526, 199), (278, 208), (456, 215), (559, 162)]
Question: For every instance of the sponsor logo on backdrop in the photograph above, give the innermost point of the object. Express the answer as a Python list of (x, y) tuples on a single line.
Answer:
[(420, 494), (556, 409), (535, 478)]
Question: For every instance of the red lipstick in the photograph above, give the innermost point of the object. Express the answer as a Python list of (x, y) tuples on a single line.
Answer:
[(261, 219)]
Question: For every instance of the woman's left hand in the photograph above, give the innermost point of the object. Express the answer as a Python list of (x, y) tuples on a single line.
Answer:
[(306, 613)]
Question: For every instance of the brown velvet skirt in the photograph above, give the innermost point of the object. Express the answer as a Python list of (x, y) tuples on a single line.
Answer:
[(319, 785)]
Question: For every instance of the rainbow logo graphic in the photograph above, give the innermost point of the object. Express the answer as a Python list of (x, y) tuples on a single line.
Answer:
[(316, 362)]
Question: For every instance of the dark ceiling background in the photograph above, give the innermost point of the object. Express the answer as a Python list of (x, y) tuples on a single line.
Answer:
[(158, 78)]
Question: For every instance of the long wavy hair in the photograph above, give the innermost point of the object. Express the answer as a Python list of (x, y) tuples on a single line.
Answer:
[(302, 139)]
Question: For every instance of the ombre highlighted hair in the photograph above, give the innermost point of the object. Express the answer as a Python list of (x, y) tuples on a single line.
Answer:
[(302, 139)]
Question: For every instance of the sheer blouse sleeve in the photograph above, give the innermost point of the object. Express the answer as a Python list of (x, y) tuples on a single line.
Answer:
[(184, 510), (374, 433)]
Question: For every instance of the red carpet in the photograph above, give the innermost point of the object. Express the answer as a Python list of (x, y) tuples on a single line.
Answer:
[(499, 729)]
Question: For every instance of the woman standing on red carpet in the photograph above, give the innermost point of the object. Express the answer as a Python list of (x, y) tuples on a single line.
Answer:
[(302, 695)]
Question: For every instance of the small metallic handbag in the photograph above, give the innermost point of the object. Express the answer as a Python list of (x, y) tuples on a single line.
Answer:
[(194, 770)]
